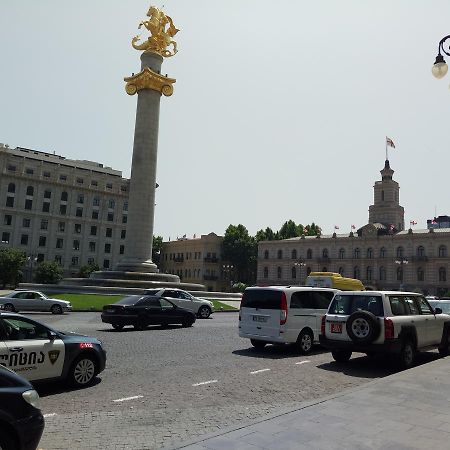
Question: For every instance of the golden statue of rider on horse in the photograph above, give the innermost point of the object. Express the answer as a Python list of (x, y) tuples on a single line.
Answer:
[(162, 30)]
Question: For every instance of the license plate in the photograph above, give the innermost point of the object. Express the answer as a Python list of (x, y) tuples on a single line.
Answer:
[(259, 319), (336, 327)]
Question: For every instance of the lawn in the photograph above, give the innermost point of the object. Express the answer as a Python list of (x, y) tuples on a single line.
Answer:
[(95, 302)]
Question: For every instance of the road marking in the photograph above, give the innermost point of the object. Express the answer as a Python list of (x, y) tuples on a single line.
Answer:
[(50, 415), (303, 362), (125, 399), (205, 382), (259, 371)]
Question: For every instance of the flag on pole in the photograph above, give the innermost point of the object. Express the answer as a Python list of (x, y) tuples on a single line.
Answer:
[(390, 142), (391, 227), (412, 222), (434, 222), (336, 227), (353, 227)]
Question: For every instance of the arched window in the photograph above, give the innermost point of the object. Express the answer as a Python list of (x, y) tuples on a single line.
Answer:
[(294, 254), (293, 272), (442, 274), (382, 196), (357, 253), (382, 273), (420, 250), (266, 272), (382, 252), (324, 269), (325, 253), (309, 254), (280, 254), (400, 273), (341, 271), (442, 251), (266, 254), (279, 272), (356, 272), (308, 271), (30, 190), (64, 196), (369, 253), (399, 252), (11, 187), (369, 273), (420, 274), (341, 253)]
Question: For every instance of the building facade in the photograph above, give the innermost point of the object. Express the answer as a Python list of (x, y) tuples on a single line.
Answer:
[(198, 260), (382, 254), (57, 209)]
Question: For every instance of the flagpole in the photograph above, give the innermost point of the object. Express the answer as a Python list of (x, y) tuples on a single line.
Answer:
[(385, 142)]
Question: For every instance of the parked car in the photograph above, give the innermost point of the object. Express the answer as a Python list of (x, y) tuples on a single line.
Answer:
[(17, 301), (399, 323), (283, 315), (201, 307), (141, 311), (40, 353), (21, 420)]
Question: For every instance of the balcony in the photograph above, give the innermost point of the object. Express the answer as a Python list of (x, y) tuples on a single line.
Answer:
[(211, 259), (179, 259)]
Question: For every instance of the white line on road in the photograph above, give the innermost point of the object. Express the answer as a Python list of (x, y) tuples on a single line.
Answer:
[(303, 362), (125, 399), (50, 415), (205, 382), (259, 371)]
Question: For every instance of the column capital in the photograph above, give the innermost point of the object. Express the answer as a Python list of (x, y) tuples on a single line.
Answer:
[(147, 79)]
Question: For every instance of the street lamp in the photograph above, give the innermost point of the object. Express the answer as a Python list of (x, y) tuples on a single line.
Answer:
[(300, 263), (440, 68), (401, 262), (31, 258)]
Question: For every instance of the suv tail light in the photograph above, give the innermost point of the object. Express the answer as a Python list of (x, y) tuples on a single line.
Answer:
[(388, 329), (284, 310), (239, 314), (322, 325)]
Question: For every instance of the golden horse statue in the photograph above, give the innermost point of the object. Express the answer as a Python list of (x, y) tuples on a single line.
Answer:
[(162, 31)]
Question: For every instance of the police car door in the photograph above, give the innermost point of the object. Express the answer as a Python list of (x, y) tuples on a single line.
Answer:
[(31, 352)]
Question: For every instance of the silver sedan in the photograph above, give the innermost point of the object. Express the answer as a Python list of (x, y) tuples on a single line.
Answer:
[(33, 301)]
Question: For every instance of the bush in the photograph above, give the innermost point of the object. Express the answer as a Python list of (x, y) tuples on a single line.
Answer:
[(85, 271), (48, 273), (11, 263), (238, 287)]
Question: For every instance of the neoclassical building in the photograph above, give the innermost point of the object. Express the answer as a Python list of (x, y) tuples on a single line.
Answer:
[(382, 254)]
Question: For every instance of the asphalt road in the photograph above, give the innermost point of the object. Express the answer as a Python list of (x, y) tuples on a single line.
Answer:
[(165, 386)]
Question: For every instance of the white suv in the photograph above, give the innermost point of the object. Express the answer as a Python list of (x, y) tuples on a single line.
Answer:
[(400, 323), (201, 307)]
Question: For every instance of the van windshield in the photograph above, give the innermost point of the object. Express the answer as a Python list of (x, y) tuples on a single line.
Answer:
[(261, 298), (348, 304)]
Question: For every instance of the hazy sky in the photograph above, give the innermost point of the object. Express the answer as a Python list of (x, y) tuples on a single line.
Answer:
[(280, 109)]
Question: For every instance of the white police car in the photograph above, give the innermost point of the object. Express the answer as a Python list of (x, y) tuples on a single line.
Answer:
[(39, 353)]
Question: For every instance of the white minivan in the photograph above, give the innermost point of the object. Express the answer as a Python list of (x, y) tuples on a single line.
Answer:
[(283, 315)]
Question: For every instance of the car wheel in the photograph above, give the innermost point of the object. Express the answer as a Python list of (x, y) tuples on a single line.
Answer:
[(56, 309), (7, 441), (363, 327), (9, 307), (341, 355), (407, 355), (204, 312), (305, 341), (117, 326), (258, 344), (83, 371), (187, 323)]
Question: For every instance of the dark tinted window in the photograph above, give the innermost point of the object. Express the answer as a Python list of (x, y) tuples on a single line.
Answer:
[(348, 304), (261, 298), (130, 300), (150, 302), (311, 300)]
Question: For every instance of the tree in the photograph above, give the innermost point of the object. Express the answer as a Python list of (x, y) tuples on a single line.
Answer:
[(289, 230), (11, 263), (85, 271), (48, 273), (156, 249), (265, 235)]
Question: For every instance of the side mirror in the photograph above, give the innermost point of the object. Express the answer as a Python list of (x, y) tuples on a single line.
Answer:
[(437, 310), (51, 335)]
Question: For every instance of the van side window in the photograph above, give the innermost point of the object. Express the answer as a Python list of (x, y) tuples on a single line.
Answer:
[(322, 299), (301, 300)]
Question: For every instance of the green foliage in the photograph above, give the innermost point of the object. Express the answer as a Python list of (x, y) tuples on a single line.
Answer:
[(238, 287), (266, 235), (11, 263), (48, 273), (156, 249), (288, 230), (85, 271)]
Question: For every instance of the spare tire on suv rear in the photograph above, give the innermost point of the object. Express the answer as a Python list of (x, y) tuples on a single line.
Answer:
[(363, 327)]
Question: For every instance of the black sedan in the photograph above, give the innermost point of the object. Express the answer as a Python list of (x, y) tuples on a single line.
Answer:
[(141, 311), (21, 420)]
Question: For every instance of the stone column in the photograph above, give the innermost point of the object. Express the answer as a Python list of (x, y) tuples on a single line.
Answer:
[(149, 85)]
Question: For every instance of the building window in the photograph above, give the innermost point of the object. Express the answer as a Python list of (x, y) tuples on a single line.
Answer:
[(106, 263), (122, 250), (420, 274), (293, 273), (80, 180), (64, 196), (40, 257), (7, 219), (29, 171), (24, 239), (46, 207), (62, 226), (96, 201), (111, 203), (107, 248), (356, 272), (94, 183), (280, 254), (341, 253), (399, 252), (382, 196), (357, 253), (58, 259), (44, 224), (124, 219), (110, 217), (75, 261), (76, 244), (325, 253), (47, 194), (279, 272), (123, 233), (382, 252), (59, 243), (5, 237), (28, 204), (9, 202), (266, 254), (125, 206), (93, 230), (63, 178), (11, 187), (46, 174), (79, 212), (369, 253), (369, 273), (400, 273), (124, 188), (420, 251), (63, 209), (442, 251), (108, 185), (11, 168), (26, 223), (294, 254), (91, 261), (382, 273), (77, 228), (30, 190), (80, 198), (309, 254), (109, 232), (42, 241), (341, 271), (442, 274), (95, 215), (92, 246), (266, 272)]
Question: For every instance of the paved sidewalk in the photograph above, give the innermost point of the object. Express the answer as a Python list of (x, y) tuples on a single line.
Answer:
[(407, 410)]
